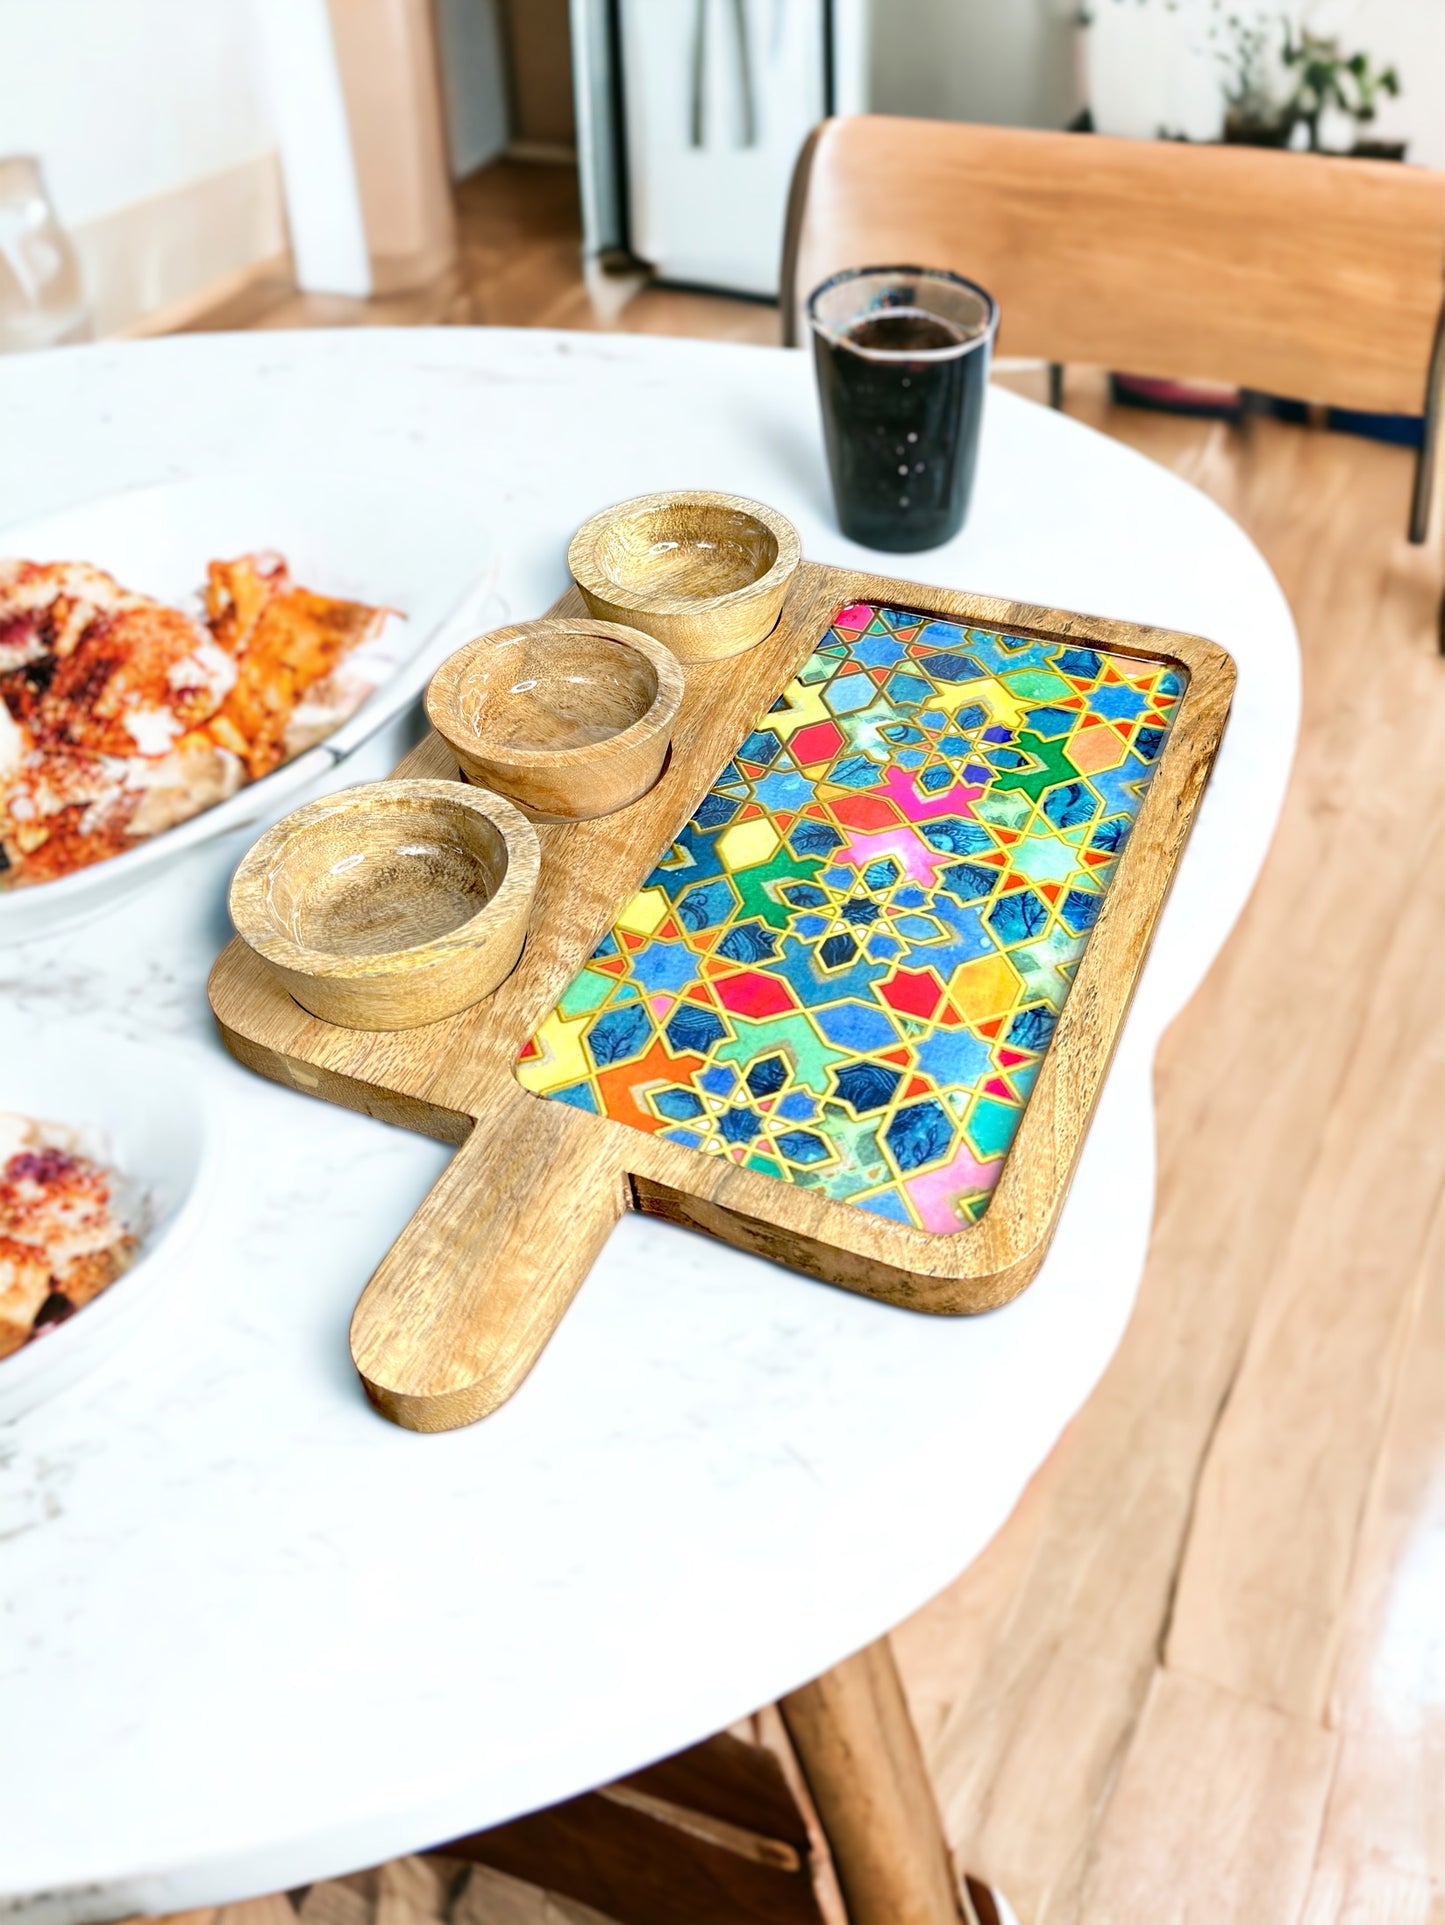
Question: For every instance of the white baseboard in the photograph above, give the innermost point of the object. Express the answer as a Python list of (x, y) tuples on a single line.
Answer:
[(551, 153), (179, 314), (160, 261)]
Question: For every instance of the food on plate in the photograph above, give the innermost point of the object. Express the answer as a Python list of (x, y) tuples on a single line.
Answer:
[(293, 650), (121, 716), (64, 1236)]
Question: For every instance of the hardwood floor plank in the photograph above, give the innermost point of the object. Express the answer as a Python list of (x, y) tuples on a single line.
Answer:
[(492, 1898), (1215, 1816), (1068, 1630), (1272, 1546), (638, 1859), (519, 264), (1382, 1853), (335, 1902)]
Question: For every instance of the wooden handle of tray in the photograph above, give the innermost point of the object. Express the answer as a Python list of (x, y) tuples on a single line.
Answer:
[(465, 1300)]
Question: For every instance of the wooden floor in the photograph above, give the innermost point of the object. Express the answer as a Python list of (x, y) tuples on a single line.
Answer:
[(518, 265), (1200, 1675)]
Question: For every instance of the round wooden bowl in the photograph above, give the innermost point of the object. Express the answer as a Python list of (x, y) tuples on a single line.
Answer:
[(703, 572), (570, 719), (392, 904)]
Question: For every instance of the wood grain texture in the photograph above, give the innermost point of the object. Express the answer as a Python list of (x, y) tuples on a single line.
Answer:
[(739, 1783), (1260, 1598), (567, 719), (705, 573), (389, 905), (1034, 1667), (433, 1364), (714, 1830), (860, 1756), (462, 1304), (636, 1865), (1299, 275), (1215, 1815), (1381, 1854)]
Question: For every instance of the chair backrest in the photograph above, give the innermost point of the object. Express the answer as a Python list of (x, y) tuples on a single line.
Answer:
[(1321, 279)]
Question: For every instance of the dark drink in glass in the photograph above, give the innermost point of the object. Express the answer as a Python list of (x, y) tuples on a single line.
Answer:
[(902, 356)]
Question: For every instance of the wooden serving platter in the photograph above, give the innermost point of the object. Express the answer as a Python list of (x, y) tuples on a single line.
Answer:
[(841, 989)]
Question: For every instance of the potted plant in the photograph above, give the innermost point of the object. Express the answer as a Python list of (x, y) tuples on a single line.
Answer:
[(1279, 85), (1255, 115), (1329, 81)]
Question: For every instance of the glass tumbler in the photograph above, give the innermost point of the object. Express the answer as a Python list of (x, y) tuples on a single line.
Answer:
[(902, 356), (42, 299)]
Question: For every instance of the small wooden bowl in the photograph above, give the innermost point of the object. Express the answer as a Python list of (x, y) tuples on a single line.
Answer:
[(570, 719), (392, 904), (703, 572)]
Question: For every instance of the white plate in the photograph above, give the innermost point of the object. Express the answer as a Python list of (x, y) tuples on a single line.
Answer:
[(416, 549), (142, 1112)]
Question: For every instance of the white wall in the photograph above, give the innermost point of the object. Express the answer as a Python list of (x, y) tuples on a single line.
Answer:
[(1007, 62), (150, 120), (125, 99), (1012, 62), (469, 34), (1155, 65), (1155, 68), (323, 199), (1411, 35)]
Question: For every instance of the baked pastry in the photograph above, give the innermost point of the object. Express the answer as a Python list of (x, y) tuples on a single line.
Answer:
[(120, 716), (64, 1234)]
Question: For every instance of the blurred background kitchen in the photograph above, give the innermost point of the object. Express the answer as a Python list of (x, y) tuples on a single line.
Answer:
[(320, 162)]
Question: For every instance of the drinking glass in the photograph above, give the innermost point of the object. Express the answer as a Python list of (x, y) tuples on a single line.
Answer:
[(42, 300), (902, 357)]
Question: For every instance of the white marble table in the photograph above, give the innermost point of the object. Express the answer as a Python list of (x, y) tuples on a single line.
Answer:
[(250, 1634)]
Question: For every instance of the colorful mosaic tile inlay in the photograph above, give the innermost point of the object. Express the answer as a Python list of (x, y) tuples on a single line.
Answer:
[(845, 971)]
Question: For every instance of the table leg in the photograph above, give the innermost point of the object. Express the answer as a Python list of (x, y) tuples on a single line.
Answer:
[(860, 1755)]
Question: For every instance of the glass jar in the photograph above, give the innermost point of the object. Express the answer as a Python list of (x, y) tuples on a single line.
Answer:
[(42, 299)]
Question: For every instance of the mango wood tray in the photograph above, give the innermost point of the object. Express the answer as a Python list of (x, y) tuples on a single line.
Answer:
[(842, 989)]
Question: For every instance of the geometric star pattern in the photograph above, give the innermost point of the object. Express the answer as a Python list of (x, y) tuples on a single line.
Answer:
[(846, 970)]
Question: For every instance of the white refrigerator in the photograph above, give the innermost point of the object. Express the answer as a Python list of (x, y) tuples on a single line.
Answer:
[(690, 117)]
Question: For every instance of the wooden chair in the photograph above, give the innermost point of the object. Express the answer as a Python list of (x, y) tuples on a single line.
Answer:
[(1320, 279)]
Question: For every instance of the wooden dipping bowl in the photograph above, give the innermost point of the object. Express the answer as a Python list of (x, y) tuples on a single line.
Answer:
[(392, 904), (705, 573), (570, 719)]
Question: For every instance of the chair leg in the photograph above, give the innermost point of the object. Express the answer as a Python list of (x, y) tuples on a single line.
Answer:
[(860, 1755), (1427, 460), (1056, 384)]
